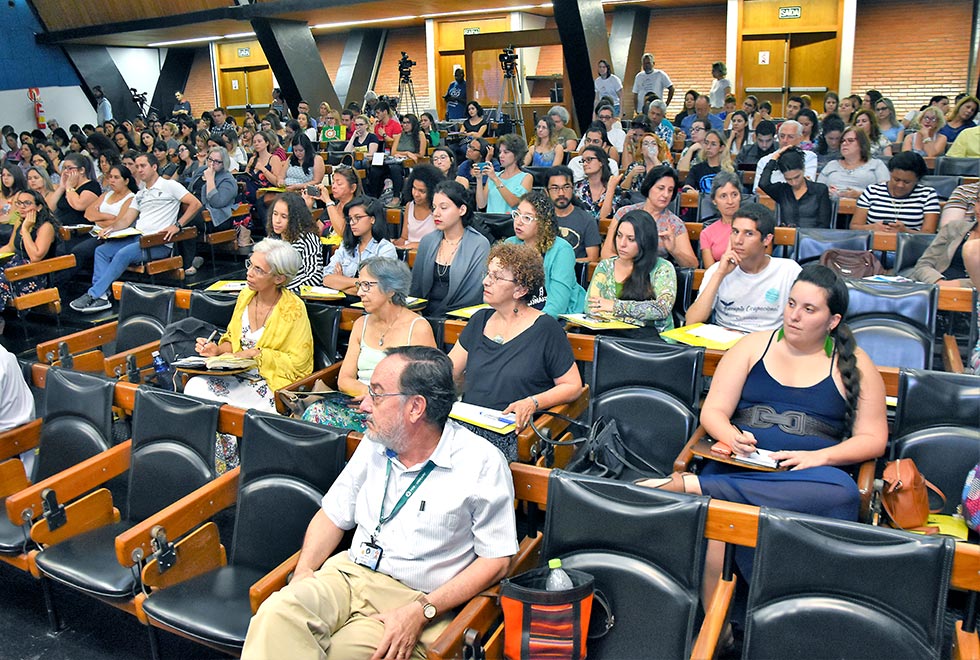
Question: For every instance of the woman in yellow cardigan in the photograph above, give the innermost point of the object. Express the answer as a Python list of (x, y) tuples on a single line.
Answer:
[(269, 325)]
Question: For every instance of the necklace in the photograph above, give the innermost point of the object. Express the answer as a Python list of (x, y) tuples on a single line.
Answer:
[(443, 268), (262, 316), (381, 339)]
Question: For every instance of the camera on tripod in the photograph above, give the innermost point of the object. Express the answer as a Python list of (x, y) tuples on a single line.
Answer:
[(139, 98), (405, 67), (508, 61)]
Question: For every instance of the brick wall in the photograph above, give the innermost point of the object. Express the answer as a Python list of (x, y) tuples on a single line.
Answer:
[(412, 41), (910, 60), (200, 83), (684, 42)]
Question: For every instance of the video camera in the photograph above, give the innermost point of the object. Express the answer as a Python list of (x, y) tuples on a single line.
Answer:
[(508, 61)]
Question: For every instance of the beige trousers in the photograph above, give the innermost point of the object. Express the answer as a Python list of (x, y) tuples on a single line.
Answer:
[(329, 615)]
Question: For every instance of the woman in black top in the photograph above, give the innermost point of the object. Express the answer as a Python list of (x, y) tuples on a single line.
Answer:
[(802, 203)]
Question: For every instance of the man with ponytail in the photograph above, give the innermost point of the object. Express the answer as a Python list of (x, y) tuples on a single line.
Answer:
[(804, 392)]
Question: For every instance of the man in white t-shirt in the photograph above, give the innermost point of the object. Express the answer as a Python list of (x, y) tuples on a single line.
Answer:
[(155, 209), (746, 289), (790, 134), (651, 80)]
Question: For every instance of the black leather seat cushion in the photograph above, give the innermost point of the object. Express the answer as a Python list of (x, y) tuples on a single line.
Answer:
[(88, 563), (213, 607), (11, 536)]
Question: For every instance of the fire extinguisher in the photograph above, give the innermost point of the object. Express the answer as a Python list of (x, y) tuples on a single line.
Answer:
[(34, 94)]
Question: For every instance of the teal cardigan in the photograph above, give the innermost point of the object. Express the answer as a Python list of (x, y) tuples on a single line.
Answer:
[(565, 295)]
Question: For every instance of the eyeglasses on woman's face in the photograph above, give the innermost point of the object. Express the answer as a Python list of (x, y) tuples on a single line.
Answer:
[(524, 219), (366, 285), (250, 265), (494, 276)]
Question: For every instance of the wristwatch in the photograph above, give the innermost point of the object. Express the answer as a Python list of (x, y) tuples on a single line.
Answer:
[(428, 609)]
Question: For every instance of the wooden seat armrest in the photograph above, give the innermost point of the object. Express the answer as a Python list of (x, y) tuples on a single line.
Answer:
[(966, 645), (683, 461), (713, 626), (197, 553), (482, 611), (115, 365), (43, 267), (83, 340), (527, 438), (19, 439), (866, 486), (85, 514), (13, 478), (328, 375), (272, 582), (71, 483), (179, 518), (530, 483), (952, 360), (156, 240)]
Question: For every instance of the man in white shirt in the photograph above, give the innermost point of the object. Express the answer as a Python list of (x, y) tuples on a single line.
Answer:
[(651, 80), (16, 400), (614, 129), (790, 134), (746, 289), (432, 508), (155, 209)]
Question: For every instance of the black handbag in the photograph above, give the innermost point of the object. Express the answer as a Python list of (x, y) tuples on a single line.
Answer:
[(601, 453)]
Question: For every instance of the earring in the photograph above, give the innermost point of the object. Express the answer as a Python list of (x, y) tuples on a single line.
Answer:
[(828, 346), (515, 309)]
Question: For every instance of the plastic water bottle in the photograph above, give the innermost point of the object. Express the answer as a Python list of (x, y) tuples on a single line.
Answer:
[(163, 374), (558, 579)]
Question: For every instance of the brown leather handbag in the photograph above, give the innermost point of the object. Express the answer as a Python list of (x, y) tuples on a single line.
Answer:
[(905, 495), (854, 264)]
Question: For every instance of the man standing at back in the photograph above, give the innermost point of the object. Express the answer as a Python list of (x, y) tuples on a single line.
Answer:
[(154, 210), (651, 80), (746, 289), (103, 109), (432, 508)]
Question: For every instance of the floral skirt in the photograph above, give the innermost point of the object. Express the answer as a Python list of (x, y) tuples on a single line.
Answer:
[(10, 290)]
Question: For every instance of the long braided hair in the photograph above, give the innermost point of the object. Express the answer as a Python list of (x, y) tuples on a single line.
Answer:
[(837, 300)]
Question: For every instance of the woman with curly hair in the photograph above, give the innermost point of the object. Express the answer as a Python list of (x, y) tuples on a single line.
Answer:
[(290, 220), (512, 357), (535, 225), (418, 222)]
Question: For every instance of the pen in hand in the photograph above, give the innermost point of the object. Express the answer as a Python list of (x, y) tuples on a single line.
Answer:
[(211, 337)]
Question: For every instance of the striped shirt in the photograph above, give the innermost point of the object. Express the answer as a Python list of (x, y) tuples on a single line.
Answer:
[(910, 210), (311, 262)]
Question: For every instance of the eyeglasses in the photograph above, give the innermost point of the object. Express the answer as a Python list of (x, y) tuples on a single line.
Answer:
[(375, 395), (494, 277), (69, 168), (354, 219), (563, 188), (695, 129), (591, 159), (524, 219), (605, 117), (881, 108), (216, 162), (250, 266), (848, 140), (22, 204), (364, 284)]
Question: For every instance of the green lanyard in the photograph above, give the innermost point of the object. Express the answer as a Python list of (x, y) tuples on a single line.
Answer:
[(414, 486)]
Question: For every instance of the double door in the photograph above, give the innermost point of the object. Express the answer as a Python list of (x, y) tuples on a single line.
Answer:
[(776, 67)]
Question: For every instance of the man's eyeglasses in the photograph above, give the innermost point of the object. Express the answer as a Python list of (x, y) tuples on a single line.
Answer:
[(605, 117), (563, 188), (376, 395), (525, 219)]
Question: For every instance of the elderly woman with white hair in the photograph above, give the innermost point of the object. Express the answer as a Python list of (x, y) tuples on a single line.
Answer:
[(565, 136)]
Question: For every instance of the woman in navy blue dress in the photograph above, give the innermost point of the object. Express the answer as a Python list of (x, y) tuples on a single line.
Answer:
[(805, 392)]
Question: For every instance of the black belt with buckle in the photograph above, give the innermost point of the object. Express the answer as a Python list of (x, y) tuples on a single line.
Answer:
[(794, 422)]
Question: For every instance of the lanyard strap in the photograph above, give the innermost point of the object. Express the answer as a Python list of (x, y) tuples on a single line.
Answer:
[(414, 486)]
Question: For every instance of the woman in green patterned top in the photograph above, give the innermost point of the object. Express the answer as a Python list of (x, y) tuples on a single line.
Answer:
[(636, 285)]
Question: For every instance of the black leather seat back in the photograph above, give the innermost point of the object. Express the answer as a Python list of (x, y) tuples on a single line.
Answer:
[(891, 343), (78, 423), (173, 449), (936, 398), (438, 326), (944, 456), (943, 184), (500, 224), (812, 242), (913, 303), (671, 368), (908, 248), (287, 467), (958, 166), (652, 423), (685, 294), (539, 176), (212, 306), (645, 549), (849, 590), (144, 311), (325, 324)]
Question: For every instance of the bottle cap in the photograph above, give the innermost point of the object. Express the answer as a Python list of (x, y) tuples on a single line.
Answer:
[(554, 563), (155, 354)]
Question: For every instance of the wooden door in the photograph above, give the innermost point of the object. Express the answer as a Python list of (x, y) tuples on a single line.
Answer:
[(259, 86), (813, 66), (231, 88), (762, 70), (444, 76)]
